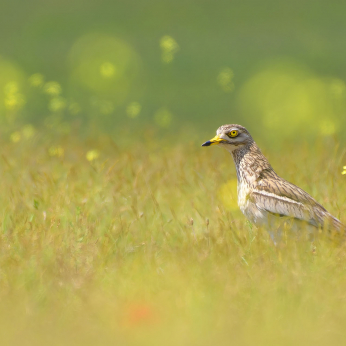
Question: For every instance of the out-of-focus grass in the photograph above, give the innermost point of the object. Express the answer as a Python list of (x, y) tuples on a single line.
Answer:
[(98, 247)]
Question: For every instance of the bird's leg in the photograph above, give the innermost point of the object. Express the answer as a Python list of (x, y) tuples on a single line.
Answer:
[(276, 235)]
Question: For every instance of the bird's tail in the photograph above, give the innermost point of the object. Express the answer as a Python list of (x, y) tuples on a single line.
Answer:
[(334, 225)]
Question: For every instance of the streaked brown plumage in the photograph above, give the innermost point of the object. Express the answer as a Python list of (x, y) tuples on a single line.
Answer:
[(263, 196)]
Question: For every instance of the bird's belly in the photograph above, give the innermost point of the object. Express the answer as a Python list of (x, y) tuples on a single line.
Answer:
[(253, 214), (262, 218), (249, 209)]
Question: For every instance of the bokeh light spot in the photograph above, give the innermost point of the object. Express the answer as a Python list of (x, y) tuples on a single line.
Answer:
[(52, 88), (227, 193), (92, 155), (169, 47), (140, 314), (327, 127), (13, 100), (36, 80), (133, 109), (57, 104), (225, 80), (287, 98), (12, 81), (107, 70), (102, 67), (28, 131), (57, 151), (163, 117), (15, 137), (11, 88)]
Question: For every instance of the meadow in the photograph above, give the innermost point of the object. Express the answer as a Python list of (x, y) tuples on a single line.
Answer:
[(116, 226), (111, 240)]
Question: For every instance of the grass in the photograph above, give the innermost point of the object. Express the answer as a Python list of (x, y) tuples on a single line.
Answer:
[(118, 250)]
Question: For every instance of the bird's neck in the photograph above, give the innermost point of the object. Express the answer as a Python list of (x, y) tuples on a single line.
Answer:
[(251, 164)]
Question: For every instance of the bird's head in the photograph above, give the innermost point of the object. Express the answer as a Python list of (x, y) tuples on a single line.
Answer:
[(230, 137)]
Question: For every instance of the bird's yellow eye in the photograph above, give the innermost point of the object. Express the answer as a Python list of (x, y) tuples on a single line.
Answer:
[(233, 133)]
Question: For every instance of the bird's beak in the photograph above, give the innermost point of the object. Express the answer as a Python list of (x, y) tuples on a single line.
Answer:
[(215, 140)]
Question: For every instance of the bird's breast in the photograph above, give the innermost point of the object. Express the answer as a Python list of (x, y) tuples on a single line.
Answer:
[(248, 207), (243, 194)]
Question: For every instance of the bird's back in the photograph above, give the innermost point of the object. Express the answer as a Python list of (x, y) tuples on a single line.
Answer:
[(262, 194), (292, 201)]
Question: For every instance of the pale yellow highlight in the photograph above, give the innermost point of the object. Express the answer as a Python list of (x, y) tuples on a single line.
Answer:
[(36, 80), (13, 100), (288, 98), (57, 104), (107, 69), (227, 194), (12, 81), (92, 155), (52, 88), (169, 47)]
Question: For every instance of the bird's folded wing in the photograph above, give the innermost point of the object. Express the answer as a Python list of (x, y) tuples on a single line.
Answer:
[(285, 199)]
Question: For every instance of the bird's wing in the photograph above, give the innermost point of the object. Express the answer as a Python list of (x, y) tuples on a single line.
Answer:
[(279, 197)]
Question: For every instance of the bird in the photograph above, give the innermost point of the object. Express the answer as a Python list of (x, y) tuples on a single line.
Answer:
[(263, 196)]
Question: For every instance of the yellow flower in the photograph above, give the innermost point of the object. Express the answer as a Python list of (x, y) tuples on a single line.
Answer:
[(57, 104), (344, 170), (168, 48), (92, 155), (14, 100), (168, 43), (36, 80), (52, 88), (11, 88)]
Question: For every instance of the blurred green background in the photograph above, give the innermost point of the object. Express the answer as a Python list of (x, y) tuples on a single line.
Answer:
[(112, 229), (276, 67)]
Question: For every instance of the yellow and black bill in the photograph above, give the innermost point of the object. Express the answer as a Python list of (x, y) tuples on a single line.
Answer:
[(215, 140)]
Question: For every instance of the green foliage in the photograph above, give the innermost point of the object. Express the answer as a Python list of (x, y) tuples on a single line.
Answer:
[(110, 243)]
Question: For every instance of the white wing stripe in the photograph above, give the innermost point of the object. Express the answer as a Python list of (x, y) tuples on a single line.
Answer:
[(282, 198)]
